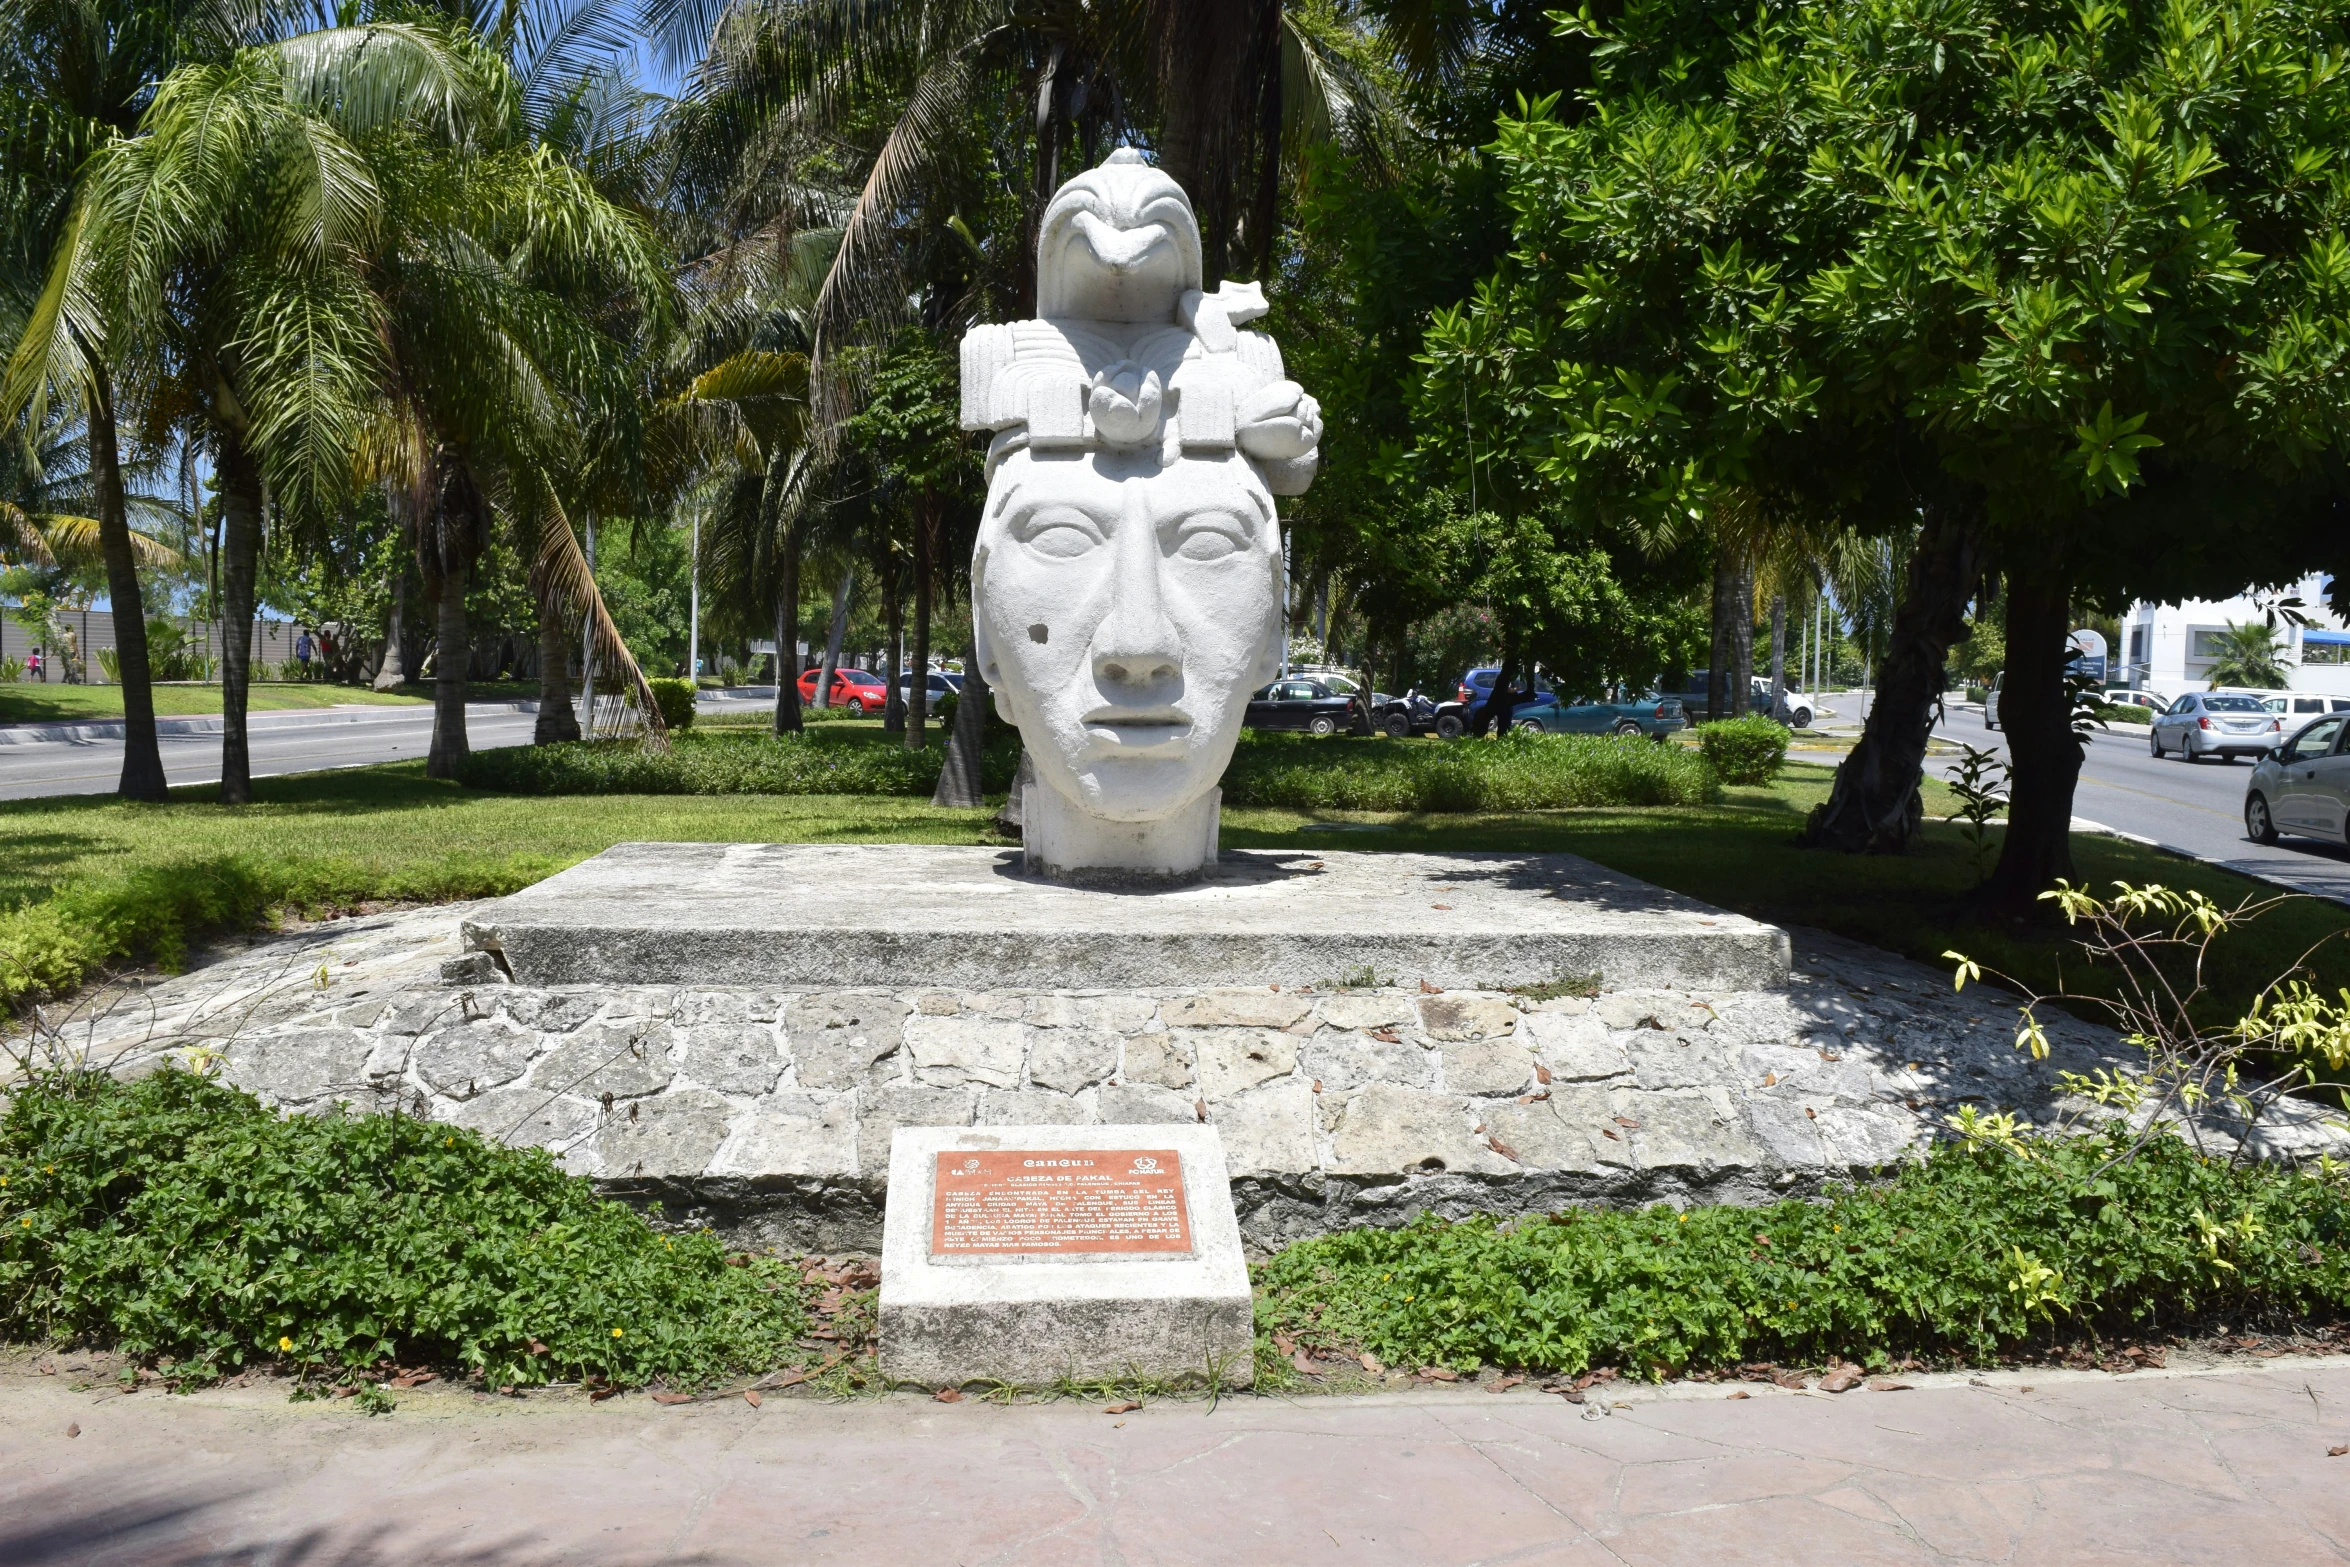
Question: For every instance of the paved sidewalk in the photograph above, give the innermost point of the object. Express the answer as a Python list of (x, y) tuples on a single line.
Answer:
[(2226, 1467)]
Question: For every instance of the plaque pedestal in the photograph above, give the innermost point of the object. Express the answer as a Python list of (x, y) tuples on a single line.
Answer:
[(1033, 1254)]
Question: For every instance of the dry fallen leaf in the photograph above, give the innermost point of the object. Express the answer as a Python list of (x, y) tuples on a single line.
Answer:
[(1573, 1395), (1741, 1393), (1625, 1120), (1885, 1385), (1770, 1080), (1604, 1132), (1427, 989), (1371, 1363), (665, 1397), (1126, 1407), (1830, 1055), (2331, 1452), (537, 1348), (1444, 906), (1306, 1364), (751, 1396), (948, 1395), (1503, 1384), (791, 1378), (1387, 1036), (1810, 1113), (1504, 1149), (1439, 1374), (595, 1397), (74, 1428), (1541, 1073), (1841, 1380)]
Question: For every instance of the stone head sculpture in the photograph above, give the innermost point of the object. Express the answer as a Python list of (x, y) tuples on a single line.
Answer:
[(1126, 586)]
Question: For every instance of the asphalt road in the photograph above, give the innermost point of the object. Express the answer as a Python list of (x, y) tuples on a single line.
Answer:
[(36, 760), (2195, 808)]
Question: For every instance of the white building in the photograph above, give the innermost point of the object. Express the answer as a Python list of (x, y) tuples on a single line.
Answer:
[(2169, 648)]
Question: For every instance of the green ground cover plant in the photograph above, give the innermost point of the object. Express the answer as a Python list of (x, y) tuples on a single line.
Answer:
[(1744, 750), (186, 1222), (675, 698), (1966, 1254)]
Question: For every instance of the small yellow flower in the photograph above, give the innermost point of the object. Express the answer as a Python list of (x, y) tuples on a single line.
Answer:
[(48, 1169), (285, 1344), (27, 1223), (615, 1332), (1684, 1218)]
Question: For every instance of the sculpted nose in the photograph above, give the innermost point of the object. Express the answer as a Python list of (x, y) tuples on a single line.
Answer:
[(1137, 653)]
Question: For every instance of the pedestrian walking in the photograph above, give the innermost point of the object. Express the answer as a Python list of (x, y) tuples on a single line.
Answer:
[(32, 666), (302, 652)]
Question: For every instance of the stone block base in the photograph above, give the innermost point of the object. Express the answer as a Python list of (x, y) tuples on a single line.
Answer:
[(1035, 1321)]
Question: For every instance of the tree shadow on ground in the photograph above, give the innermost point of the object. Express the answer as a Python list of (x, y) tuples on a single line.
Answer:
[(214, 1527)]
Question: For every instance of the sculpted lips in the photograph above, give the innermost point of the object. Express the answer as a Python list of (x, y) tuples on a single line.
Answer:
[(1133, 729)]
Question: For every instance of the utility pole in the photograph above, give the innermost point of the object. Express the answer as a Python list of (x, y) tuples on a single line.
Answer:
[(693, 633)]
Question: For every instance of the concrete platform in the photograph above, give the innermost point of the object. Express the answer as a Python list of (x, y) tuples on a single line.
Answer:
[(819, 914)]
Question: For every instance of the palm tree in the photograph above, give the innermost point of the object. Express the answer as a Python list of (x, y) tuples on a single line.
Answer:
[(75, 75), (2250, 655)]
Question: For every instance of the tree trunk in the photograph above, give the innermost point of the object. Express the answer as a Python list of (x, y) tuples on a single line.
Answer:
[(1778, 655), (1874, 806), (893, 707), (557, 721), (1722, 656), (959, 780), (1741, 692), (142, 758), (1494, 711), (457, 532), (2044, 753), (393, 671), (918, 712), (840, 626), (240, 553)]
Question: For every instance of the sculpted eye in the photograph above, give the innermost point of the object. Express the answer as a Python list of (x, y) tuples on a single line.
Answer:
[(1210, 536), (1060, 533)]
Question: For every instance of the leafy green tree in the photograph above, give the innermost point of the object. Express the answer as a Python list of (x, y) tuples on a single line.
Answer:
[(2065, 291)]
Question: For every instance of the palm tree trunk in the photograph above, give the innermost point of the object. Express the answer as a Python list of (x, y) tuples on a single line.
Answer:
[(1778, 655), (893, 707), (959, 782), (1719, 656), (2045, 754), (1742, 642), (557, 721), (840, 627), (918, 713), (142, 758), (1874, 807), (393, 671), (240, 552), (451, 664)]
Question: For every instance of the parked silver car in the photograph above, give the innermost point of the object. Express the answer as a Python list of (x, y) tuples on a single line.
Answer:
[(2303, 786), (2215, 723)]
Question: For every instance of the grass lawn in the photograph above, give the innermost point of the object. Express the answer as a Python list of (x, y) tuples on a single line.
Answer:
[(389, 831), (26, 703)]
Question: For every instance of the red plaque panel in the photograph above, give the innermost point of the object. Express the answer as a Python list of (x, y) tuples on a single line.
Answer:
[(1059, 1202)]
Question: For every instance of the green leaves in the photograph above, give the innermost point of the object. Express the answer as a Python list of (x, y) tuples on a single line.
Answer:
[(2109, 449), (185, 1220), (1967, 1252)]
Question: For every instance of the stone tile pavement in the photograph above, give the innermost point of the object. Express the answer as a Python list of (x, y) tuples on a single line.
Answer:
[(2225, 1467)]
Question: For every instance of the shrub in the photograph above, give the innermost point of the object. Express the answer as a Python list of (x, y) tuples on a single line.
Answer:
[(1520, 772), (50, 948), (2126, 713), (675, 699), (178, 1218), (1744, 750), (1968, 1251), (744, 760)]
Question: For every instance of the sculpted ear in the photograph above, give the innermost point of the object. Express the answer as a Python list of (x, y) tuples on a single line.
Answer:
[(981, 648)]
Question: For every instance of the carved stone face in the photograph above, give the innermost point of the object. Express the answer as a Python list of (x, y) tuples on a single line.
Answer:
[(1127, 606)]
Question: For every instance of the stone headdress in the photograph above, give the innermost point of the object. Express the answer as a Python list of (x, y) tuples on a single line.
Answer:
[(1129, 351)]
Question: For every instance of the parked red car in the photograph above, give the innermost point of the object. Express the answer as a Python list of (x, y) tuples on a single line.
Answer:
[(850, 688)]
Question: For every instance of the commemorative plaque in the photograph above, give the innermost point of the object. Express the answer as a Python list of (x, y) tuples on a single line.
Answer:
[(1059, 1202), (1029, 1254)]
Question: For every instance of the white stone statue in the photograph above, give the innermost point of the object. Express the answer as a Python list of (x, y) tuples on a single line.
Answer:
[(1126, 587)]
